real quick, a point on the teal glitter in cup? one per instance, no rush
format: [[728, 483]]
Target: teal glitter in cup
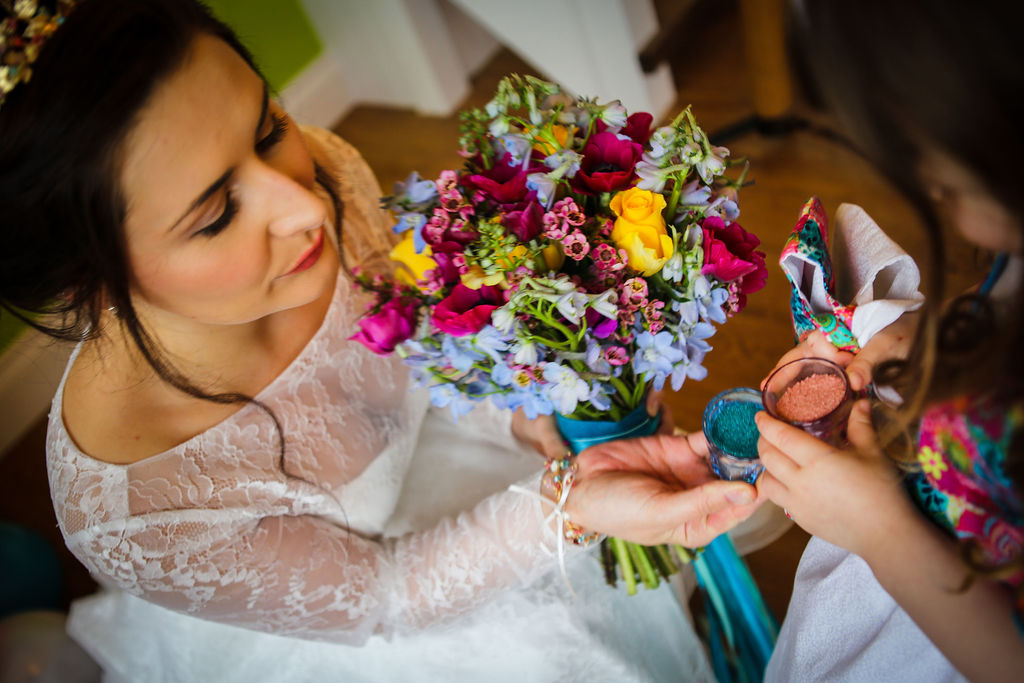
[[732, 434]]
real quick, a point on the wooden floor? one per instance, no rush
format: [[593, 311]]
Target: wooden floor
[[710, 75]]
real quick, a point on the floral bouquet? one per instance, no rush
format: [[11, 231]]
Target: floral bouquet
[[577, 259]]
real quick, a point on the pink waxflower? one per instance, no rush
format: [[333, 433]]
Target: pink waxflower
[[466, 311], [730, 254], [448, 181], [575, 245], [634, 292], [653, 315], [569, 211], [616, 355], [554, 227], [389, 327]]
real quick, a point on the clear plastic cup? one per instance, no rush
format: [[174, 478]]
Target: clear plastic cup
[[732, 434], [820, 406]]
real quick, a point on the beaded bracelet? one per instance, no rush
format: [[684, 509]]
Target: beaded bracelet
[[563, 476]]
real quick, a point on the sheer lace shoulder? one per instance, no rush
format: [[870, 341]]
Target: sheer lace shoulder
[[222, 528]]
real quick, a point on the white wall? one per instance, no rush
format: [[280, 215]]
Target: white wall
[[420, 54]]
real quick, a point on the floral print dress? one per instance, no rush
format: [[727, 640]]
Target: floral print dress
[[963, 483]]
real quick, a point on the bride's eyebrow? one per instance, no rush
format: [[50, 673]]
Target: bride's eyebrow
[[223, 179]]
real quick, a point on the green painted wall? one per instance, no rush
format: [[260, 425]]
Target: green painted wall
[[277, 32], [10, 327]]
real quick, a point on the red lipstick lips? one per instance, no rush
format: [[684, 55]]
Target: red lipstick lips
[[311, 256]]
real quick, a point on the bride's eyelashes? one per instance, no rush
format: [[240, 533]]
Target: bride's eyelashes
[[278, 129]]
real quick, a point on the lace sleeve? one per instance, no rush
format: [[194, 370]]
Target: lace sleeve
[[306, 577]]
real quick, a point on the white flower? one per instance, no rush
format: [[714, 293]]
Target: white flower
[[572, 305], [604, 303]]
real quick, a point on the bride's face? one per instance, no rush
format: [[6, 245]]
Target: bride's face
[[222, 225]]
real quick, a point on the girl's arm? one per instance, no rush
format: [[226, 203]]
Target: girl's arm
[[854, 499]]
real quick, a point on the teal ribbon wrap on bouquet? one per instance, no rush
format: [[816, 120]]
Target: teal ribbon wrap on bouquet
[[581, 434], [741, 629]]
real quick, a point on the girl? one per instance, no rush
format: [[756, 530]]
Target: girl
[[220, 455], [931, 92]]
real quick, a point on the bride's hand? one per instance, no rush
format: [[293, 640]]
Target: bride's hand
[[540, 434], [656, 489]]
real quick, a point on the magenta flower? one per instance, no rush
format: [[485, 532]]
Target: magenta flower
[[526, 221], [637, 128], [466, 311], [730, 254], [607, 165], [502, 183], [389, 327]]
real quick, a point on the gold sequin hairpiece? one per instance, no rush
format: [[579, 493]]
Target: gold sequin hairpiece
[[24, 26]]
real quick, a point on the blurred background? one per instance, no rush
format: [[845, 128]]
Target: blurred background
[[390, 75]]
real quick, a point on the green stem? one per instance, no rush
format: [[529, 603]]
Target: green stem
[[666, 559], [643, 564], [623, 390], [673, 202], [625, 564]]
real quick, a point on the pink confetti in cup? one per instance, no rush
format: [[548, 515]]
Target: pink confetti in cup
[[813, 394]]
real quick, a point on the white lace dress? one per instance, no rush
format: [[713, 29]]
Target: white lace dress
[[386, 546]]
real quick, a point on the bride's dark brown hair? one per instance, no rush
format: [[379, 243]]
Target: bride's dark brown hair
[[904, 78], [65, 257]]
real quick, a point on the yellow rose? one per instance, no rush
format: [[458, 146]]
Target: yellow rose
[[412, 266], [640, 229]]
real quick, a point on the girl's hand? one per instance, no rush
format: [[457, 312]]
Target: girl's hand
[[814, 345], [847, 497], [892, 342], [656, 489]]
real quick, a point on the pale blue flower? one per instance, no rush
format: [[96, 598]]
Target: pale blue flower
[[655, 356], [499, 126], [709, 301], [595, 358], [460, 352], [564, 163], [502, 374], [518, 146], [565, 388], [674, 268], [694, 194], [662, 142], [653, 176], [688, 367], [448, 394], [492, 342], [543, 184], [600, 396]]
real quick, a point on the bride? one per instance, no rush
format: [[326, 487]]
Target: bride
[[260, 498]]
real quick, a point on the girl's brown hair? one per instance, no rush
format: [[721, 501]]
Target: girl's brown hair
[[904, 78]]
